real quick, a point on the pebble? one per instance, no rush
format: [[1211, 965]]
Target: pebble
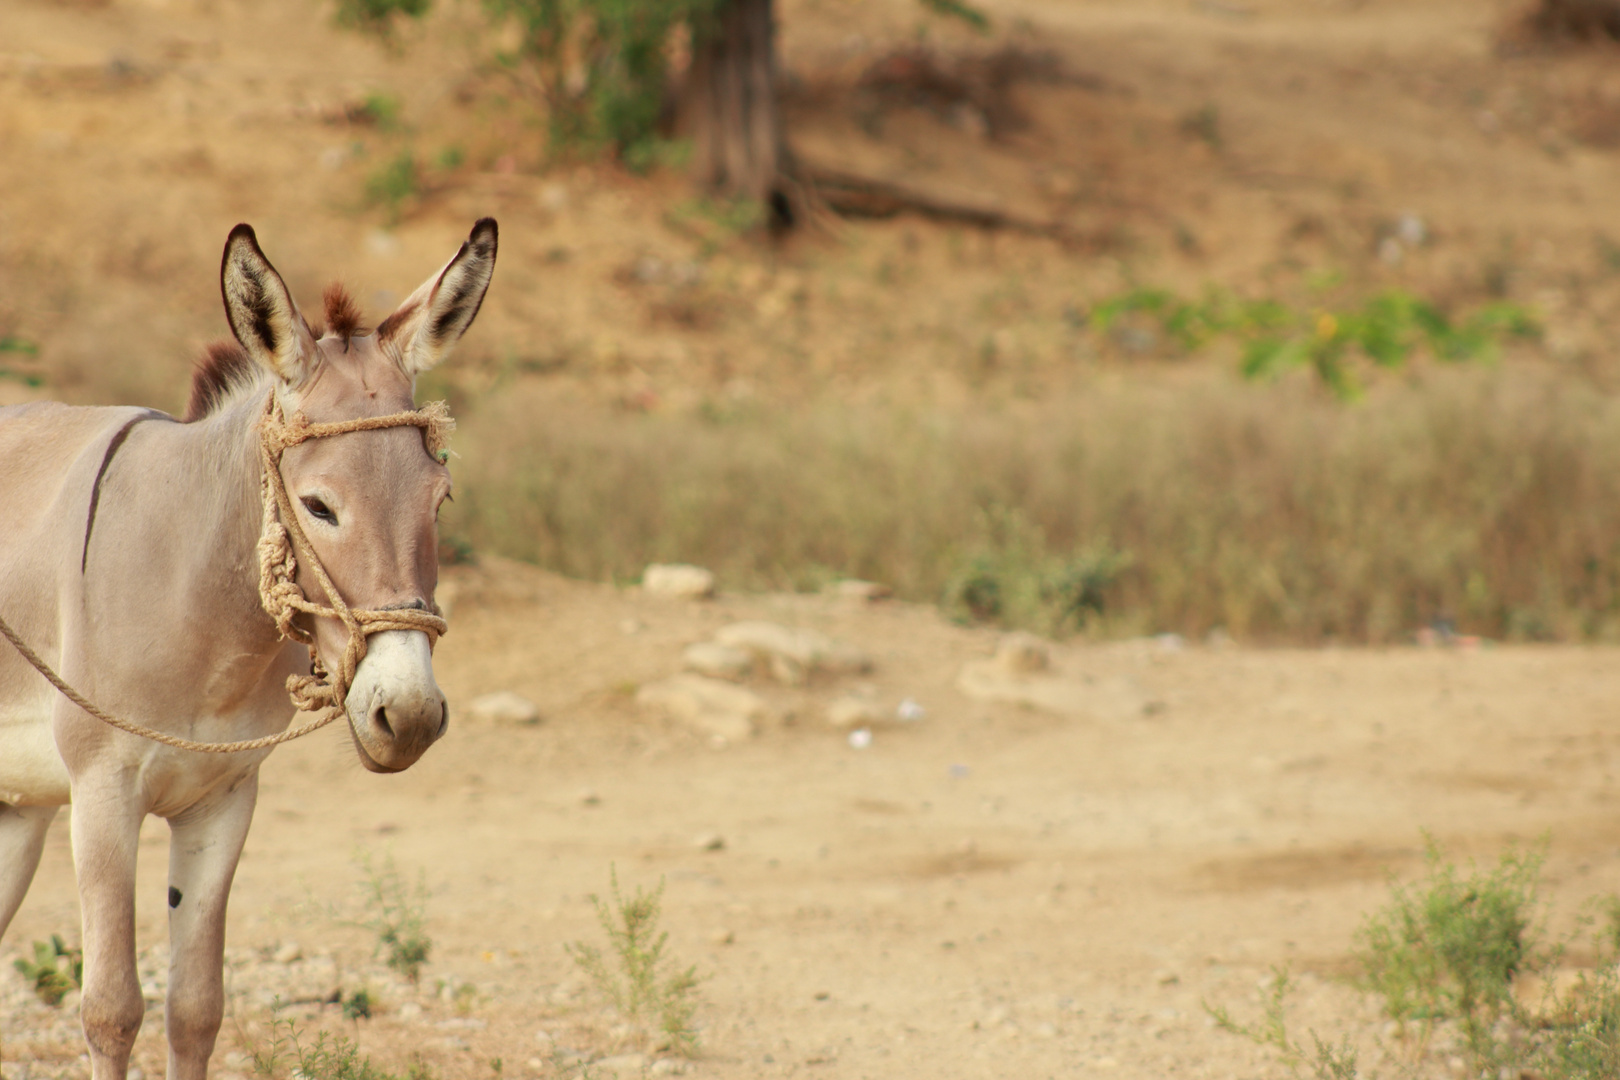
[[622, 1065], [667, 1067], [809, 649], [722, 937], [867, 591], [288, 953], [589, 797], [679, 581], [860, 738], [710, 706], [718, 661], [711, 841], [503, 707], [1165, 977], [848, 712]]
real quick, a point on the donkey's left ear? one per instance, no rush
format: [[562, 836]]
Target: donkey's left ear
[[433, 318]]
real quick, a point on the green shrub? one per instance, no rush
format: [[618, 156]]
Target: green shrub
[[638, 980], [54, 970]]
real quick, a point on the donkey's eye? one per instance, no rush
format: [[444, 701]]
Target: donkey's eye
[[319, 510]]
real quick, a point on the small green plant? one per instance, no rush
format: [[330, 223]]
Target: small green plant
[[1324, 1060], [397, 915], [637, 978], [395, 181], [358, 1005], [54, 971], [1011, 578], [378, 17], [289, 1054], [961, 11], [1386, 330], [1450, 945]]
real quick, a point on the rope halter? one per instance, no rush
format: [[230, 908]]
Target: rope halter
[[283, 542]]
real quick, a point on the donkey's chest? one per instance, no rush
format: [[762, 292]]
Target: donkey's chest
[[178, 784]]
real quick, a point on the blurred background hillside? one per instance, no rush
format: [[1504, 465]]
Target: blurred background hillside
[[1279, 319]]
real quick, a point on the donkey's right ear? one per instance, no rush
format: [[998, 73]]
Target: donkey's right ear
[[261, 311]]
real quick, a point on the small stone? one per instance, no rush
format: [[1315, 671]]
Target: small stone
[[860, 738], [866, 591], [718, 661], [848, 713], [710, 706], [287, 953], [503, 707], [909, 711], [622, 1065], [589, 797], [1022, 654], [1165, 977], [722, 937], [711, 841], [678, 580], [667, 1067], [810, 650]]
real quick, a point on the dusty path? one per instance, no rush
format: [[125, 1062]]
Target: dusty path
[[987, 892]]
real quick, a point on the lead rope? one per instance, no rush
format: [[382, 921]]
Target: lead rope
[[281, 542]]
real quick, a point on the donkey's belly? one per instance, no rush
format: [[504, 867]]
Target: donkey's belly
[[31, 771]]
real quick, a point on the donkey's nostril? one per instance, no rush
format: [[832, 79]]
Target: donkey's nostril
[[379, 720], [444, 719]]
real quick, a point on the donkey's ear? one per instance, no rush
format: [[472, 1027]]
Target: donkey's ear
[[433, 318], [261, 310]]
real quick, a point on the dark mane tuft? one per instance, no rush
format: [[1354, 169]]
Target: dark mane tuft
[[342, 316], [223, 367]]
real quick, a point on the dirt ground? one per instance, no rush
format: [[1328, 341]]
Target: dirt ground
[[988, 891]]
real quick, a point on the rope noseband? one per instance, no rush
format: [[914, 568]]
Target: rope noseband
[[281, 543]]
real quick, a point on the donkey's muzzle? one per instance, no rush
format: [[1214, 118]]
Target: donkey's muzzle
[[396, 710]]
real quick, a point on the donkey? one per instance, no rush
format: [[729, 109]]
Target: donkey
[[131, 561]]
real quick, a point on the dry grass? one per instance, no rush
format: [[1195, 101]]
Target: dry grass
[[1488, 498]]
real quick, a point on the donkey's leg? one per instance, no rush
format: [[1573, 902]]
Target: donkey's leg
[[202, 860], [106, 833], [22, 838]]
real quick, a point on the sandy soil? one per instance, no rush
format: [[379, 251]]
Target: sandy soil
[[989, 891], [986, 892]]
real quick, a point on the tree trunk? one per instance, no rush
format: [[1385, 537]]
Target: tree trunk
[[1583, 19], [728, 107]]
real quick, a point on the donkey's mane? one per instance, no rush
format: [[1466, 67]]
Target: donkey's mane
[[225, 368]]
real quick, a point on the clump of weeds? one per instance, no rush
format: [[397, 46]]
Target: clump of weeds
[[1446, 954], [290, 1054], [397, 914], [634, 974], [54, 970]]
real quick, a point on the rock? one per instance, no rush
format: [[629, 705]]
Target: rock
[[794, 652], [503, 707], [667, 1067], [722, 937], [1112, 698], [709, 706], [287, 953], [847, 713], [678, 580], [718, 661], [622, 1065], [860, 738], [589, 797], [709, 841], [867, 591], [1022, 654]]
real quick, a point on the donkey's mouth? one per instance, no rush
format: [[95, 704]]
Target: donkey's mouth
[[371, 763]]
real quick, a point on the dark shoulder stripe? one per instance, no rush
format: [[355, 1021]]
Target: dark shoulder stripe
[[95, 489]]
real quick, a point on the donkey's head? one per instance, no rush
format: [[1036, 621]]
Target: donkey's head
[[367, 501]]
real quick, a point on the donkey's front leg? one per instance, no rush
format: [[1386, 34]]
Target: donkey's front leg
[[203, 850], [106, 832]]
